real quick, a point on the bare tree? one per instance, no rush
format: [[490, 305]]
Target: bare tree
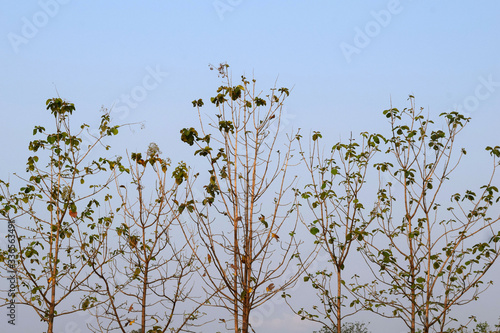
[[246, 221], [425, 259], [57, 233], [156, 291]]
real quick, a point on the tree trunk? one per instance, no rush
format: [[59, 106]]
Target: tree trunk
[[339, 302], [144, 296]]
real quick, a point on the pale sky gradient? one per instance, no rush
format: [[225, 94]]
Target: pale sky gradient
[[346, 61]]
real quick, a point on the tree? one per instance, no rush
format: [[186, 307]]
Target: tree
[[247, 232], [356, 327], [158, 268], [57, 233], [334, 196], [427, 259]]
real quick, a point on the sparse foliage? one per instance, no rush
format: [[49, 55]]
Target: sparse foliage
[[58, 233], [427, 258], [132, 257], [155, 268], [334, 196], [245, 219]]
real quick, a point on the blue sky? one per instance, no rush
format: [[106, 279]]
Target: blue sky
[[95, 52], [346, 62]]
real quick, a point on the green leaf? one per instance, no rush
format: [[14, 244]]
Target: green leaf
[[189, 135], [263, 221], [85, 304], [198, 103], [316, 136], [314, 230]]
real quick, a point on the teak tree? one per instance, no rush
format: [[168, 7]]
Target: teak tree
[[246, 220], [334, 196], [57, 233], [148, 281], [427, 259]]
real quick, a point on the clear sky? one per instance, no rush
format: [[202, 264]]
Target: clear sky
[[346, 61]]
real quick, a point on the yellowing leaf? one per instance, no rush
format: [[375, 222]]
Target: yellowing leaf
[[132, 241], [234, 268], [270, 287]]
